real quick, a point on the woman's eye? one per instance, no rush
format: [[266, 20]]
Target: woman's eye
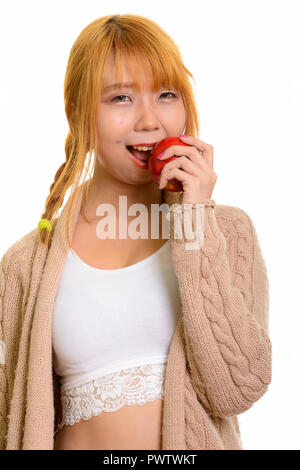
[[119, 96], [169, 93], [125, 96]]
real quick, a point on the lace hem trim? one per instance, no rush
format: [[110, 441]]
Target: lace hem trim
[[132, 386]]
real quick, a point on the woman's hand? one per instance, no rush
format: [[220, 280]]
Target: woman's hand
[[194, 168]]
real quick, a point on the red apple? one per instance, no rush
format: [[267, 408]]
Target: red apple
[[156, 166]]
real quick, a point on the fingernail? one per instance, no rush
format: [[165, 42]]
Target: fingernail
[[160, 155], [183, 135]]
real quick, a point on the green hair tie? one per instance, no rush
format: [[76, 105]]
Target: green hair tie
[[44, 223]]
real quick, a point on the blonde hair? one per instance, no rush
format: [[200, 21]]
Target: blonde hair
[[146, 46]]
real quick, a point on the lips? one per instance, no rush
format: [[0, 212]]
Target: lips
[[140, 163], [144, 144], [140, 155]]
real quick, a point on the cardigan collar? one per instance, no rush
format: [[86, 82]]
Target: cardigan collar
[[39, 431]]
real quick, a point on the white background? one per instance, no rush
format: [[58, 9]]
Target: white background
[[244, 56]]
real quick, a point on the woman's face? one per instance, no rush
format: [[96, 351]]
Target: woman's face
[[134, 118]]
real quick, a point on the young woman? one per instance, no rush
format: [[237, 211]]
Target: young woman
[[125, 342]]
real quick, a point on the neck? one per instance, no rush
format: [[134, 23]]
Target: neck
[[105, 189]]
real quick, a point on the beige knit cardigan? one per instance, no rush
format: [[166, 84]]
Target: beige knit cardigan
[[220, 356]]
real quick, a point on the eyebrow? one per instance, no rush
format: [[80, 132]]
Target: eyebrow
[[128, 85]]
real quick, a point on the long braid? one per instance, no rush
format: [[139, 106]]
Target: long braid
[[58, 190]]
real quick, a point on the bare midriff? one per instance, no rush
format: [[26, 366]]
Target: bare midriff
[[137, 427]]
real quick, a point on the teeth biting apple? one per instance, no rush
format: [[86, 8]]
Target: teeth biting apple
[[145, 148]]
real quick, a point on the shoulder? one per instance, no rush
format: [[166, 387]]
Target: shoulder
[[240, 233], [234, 221], [230, 212], [239, 230], [20, 251]]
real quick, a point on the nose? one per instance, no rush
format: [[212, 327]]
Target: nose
[[146, 117]]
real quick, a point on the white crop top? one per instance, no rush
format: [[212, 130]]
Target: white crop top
[[111, 333]]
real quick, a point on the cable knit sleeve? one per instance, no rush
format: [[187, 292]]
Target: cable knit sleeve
[[3, 380], [225, 298]]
